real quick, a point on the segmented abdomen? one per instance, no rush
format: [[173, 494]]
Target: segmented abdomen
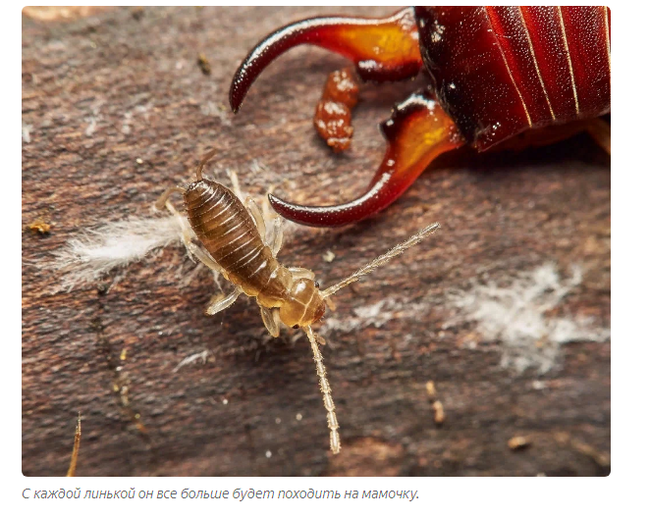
[[229, 235], [501, 70]]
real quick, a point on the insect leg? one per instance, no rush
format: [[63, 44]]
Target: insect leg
[[271, 321], [418, 131], [326, 390], [383, 49], [204, 257], [163, 201], [276, 236], [256, 214], [275, 240], [234, 180], [221, 302], [187, 234]]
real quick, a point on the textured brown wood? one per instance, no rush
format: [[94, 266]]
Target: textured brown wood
[[117, 108]]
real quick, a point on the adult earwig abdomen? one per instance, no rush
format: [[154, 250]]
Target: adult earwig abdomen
[[232, 239], [526, 67], [494, 72]]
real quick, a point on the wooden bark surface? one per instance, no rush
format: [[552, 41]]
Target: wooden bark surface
[[116, 108]]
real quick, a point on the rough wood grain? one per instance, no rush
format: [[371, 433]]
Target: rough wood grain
[[116, 108]]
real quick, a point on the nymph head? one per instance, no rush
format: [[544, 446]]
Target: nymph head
[[304, 304]]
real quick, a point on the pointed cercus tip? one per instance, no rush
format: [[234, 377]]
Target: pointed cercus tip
[[296, 213], [235, 100], [328, 216]]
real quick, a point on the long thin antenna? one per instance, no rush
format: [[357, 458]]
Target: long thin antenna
[[332, 423], [204, 160], [382, 259]]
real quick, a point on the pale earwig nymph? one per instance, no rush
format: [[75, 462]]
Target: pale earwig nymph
[[232, 238]]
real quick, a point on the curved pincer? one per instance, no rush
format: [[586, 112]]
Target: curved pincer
[[418, 131], [363, 40]]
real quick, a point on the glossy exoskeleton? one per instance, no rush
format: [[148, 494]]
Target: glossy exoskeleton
[[494, 73]]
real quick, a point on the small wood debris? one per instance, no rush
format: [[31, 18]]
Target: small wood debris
[[40, 226], [436, 404], [602, 459], [75, 449], [329, 256], [137, 12], [438, 412], [519, 442], [204, 64], [431, 389]]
